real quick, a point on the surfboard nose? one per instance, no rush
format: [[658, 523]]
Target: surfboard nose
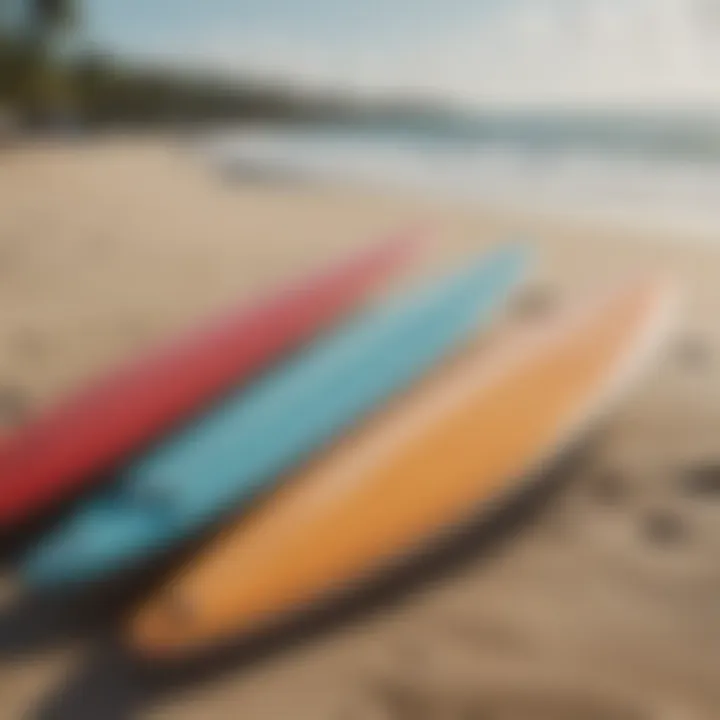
[[92, 543], [154, 628], [174, 621]]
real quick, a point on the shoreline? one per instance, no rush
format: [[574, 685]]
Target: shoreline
[[107, 247]]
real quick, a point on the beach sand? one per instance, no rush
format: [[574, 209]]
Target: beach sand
[[602, 604]]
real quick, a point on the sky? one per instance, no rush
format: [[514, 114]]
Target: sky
[[478, 52]]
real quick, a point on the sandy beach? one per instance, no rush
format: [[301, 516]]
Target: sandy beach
[[604, 602]]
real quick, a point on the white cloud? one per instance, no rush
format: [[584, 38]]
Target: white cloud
[[515, 52]]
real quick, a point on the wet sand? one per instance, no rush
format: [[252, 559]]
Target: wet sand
[[601, 603]]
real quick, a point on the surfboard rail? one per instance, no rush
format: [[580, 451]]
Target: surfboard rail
[[69, 445]]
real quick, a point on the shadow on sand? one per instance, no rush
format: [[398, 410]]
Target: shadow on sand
[[113, 685], [35, 623]]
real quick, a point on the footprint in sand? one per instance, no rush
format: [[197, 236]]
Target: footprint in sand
[[609, 487], [665, 527], [659, 528], [701, 481], [693, 353]]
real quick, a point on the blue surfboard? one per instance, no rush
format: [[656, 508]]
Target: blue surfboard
[[226, 457]]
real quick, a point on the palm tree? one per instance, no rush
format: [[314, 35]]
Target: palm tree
[[49, 18], [49, 22]]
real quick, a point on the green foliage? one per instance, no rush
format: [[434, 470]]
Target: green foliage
[[55, 13], [100, 91], [32, 78], [50, 17]]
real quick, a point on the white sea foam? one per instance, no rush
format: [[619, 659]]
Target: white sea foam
[[669, 192]]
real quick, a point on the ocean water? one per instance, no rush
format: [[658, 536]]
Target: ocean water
[[657, 173]]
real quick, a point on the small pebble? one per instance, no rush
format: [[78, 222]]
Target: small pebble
[[702, 480]]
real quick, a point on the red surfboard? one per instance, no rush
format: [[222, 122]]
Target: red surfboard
[[65, 449]]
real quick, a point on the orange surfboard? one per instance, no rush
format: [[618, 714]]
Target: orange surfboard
[[475, 431]]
